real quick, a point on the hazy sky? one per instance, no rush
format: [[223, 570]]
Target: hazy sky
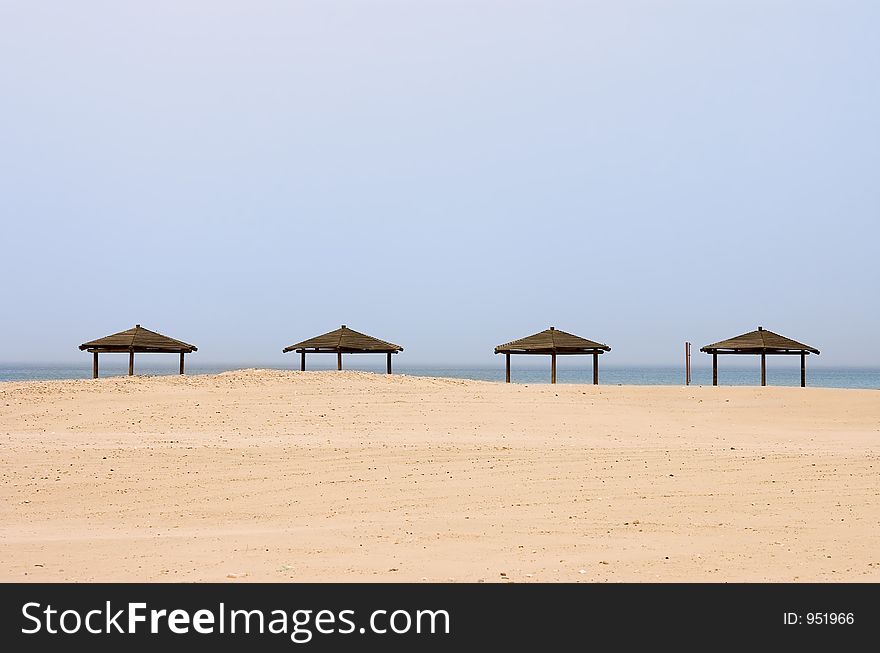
[[445, 175]]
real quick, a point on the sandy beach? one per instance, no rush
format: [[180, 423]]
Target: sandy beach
[[347, 476]]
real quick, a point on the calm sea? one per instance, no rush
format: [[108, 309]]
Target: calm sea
[[782, 373]]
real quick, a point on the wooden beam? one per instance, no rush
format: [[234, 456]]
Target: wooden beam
[[338, 360], [344, 350], [131, 362], [595, 368], [553, 368], [803, 370], [181, 361], [137, 350], [585, 352], [302, 364], [507, 367], [769, 352], [95, 366], [389, 362], [763, 369], [714, 369]]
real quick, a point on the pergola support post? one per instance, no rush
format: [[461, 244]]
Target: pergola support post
[[803, 369], [338, 360], [181, 362], [553, 368], [131, 362], [714, 368], [302, 362], [595, 368], [95, 366], [763, 369], [507, 367], [389, 362]]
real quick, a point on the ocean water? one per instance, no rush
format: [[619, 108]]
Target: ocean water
[[782, 374]]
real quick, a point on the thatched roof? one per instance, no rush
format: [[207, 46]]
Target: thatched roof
[[347, 341], [760, 341], [138, 339], [552, 341]]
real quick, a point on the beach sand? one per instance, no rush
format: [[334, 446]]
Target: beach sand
[[348, 476]]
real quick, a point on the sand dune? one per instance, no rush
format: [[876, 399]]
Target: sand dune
[[347, 476]]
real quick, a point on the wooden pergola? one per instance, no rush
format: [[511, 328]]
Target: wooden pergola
[[136, 341], [343, 341], [553, 342], [761, 342]]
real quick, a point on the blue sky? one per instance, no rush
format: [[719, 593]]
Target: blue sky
[[446, 175]]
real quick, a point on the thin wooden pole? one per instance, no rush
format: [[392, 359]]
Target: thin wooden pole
[[595, 368], [763, 369], [302, 363], [553, 368], [131, 362], [338, 360], [181, 362], [687, 363], [389, 362], [714, 369], [803, 369], [507, 367], [95, 366]]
